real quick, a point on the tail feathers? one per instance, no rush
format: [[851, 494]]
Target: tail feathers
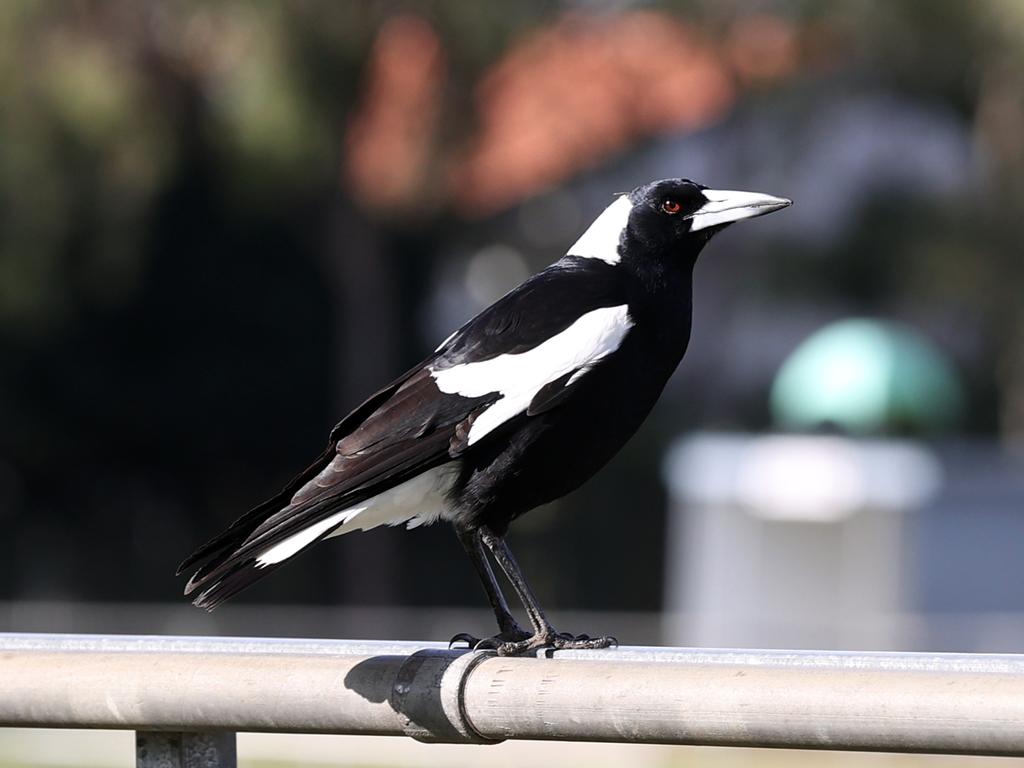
[[230, 567], [219, 557], [235, 562], [229, 583], [228, 540], [237, 565], [226, 564], [244, 526], [218, 550]]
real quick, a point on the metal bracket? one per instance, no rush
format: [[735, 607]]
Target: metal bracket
[[429, 695]]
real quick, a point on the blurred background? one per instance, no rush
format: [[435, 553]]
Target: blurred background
[[223, 224]]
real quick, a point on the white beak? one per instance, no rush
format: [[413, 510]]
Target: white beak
[[725, 206]]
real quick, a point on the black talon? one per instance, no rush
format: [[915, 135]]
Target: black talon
[[550, 640], [464, 637], [513, 634]]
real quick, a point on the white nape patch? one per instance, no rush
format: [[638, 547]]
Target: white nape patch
[[601, 240], [725, 206], [518, 377], [419, 501]]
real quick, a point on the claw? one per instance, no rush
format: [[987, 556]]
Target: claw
[[554, 641], [514, 634], [514, 641], [464, 637], [587, 642]]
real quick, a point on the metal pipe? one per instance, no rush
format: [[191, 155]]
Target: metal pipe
[[948, 703]]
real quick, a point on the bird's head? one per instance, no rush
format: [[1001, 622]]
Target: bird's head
[[669, 216], [680, 211]]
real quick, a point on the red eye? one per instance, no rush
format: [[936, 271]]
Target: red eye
[[671, 206]]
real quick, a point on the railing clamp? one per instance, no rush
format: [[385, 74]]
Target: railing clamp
[[429, 694]]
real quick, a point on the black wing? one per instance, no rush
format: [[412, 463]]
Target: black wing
[[406, 428], [543, 306]]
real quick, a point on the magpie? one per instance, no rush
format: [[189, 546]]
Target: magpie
[[516, 408]]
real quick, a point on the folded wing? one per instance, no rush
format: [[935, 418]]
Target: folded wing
[[519, 356]]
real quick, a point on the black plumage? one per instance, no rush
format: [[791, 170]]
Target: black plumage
[[520, 406]]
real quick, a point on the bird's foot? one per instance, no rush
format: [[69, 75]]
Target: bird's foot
[[514, 634], [557, 641]]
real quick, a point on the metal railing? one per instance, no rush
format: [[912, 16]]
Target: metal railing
[[187, 696]]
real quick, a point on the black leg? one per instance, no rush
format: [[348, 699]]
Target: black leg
[[509, 629], [504, 557], [544, 635]]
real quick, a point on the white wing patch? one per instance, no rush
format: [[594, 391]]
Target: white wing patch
[[419, 501], [518, 377], [601, 240]]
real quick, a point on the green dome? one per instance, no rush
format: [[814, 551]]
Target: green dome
[[866, 376]]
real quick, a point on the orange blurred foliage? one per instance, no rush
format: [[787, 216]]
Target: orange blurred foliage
[[561, 99], [390, 139]]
